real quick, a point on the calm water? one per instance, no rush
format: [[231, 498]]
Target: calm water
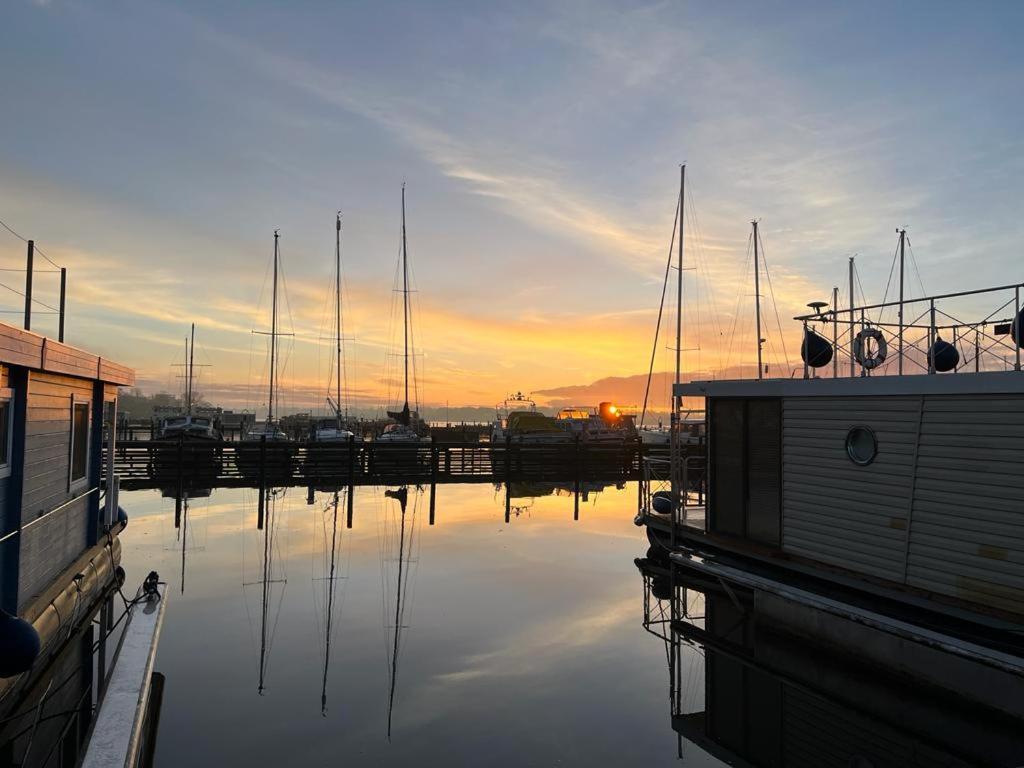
[[519, 643], [543, 640]]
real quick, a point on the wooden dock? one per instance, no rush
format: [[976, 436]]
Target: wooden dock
[[166, 464]]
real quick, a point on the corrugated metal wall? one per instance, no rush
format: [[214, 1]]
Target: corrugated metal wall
[[967, 529], [963, 533], [834, 510]]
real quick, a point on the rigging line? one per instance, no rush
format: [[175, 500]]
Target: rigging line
[[913, 260], [415, 312], [863, 295], [702, 263], [696, 282], [888, 283], [661, 309], [284, 289], [321, 335], [704, 278], [739, 299], [775, 305]]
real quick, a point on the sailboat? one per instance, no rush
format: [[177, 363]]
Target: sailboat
[[270, 429], [189, 451], [401, 430], [250, 456], [186, 424], [332, 430]]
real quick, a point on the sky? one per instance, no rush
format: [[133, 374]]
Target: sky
[[153, 148]]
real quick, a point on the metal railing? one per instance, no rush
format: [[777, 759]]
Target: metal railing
[[656, 478], [982, 345]]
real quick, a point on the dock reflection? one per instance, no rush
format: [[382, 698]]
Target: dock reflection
[[753, 689]]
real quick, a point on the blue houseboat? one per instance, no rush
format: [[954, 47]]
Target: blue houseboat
[[59, 549]]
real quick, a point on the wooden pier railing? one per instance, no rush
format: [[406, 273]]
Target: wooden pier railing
[[166, 464]]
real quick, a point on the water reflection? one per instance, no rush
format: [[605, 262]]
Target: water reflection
[[407, 540], [749, 686], [272, 577], [423, 643], [474, 635], [183, 497], [329, 583]]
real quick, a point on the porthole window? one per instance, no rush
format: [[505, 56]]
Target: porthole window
[[861, 445]]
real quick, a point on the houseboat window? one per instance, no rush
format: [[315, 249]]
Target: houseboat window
[[861, 445], [79, 440], [5, 434]]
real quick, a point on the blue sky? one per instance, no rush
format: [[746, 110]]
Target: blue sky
[[154, 146]]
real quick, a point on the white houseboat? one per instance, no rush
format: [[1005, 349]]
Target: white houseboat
[[893, 468]]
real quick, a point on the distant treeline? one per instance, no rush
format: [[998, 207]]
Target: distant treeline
[[135, 404]]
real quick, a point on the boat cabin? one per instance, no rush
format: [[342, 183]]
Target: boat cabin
[[910, 481], [190, 427]]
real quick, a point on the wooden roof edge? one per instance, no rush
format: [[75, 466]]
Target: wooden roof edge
[[30, 350]]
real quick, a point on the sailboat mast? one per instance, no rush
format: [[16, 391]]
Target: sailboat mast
[[185, 393], [191, 367], [679, 282], [674, 426], [757, 301], [273, 339], [903, 240], [337, 317], [405, 300]]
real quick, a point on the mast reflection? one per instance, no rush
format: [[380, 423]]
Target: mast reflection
[[183, 495], [330, 580], [407, 540], [270, 504]]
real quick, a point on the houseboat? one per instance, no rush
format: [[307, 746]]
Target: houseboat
[[60, 553], [887, 477]]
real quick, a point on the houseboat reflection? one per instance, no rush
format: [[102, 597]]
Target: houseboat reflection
[[751, 685]]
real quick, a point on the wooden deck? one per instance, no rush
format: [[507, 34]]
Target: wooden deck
[[166, 464]]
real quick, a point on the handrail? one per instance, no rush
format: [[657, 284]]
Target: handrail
[[835, 311], [43, 516]]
